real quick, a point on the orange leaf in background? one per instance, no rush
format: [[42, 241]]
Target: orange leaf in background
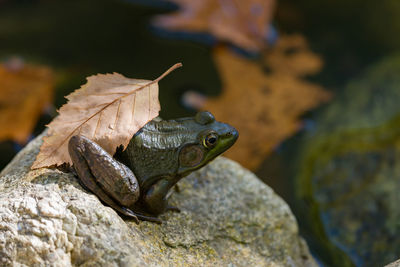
[[291, 57], [265, 107], [24, 93], [109, 109], [244, 23]]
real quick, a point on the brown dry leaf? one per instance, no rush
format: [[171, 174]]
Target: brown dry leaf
[[25, 91], [109, 109], [244, 23], [265, 108], [291, 56]]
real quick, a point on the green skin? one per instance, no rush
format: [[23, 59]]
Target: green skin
[[137, 181]]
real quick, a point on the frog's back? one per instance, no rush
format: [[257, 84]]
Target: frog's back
[[166, 134], [154, 149]]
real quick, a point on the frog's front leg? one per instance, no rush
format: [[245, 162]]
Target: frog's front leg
[[156, 198], [114, 183]]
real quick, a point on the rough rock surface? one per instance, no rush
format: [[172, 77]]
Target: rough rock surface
[[394, 264], [228, 218]]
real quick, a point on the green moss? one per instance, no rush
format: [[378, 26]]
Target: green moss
[[347, 170]]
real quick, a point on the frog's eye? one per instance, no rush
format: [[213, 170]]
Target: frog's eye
[[210, 140]]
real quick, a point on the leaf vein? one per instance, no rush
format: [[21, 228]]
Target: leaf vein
[[117, 115], [97, 124]]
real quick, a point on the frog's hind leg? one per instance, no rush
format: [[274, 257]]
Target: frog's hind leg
[[76, 151]]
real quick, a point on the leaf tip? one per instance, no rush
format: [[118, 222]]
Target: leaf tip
[[35, 165]]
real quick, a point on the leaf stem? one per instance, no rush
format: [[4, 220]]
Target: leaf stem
[[171, 69]]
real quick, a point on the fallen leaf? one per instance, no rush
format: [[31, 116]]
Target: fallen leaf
[[264, 107], [25, 91], [244, 23], [291, 56], [109, 109]]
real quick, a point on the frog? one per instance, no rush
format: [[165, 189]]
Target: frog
[[137, 181]]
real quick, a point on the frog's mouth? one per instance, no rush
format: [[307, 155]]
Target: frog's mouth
[[225, 141]]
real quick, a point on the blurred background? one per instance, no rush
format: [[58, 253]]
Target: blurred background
[[312, 86]]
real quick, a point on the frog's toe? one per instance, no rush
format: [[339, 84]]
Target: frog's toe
[[177, 188], [149, 219], [128, 213], [172, 208], [141, 216]]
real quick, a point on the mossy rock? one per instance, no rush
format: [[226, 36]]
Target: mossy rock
[[348, 168]]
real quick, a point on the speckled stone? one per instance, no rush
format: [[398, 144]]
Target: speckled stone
[[394, 264], [228, 218]]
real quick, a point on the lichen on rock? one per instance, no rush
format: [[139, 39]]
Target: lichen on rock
[[228, 218]]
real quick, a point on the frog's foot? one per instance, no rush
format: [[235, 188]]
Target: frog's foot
[[172, 208], [177, 188], [89, 182], [144, 217]]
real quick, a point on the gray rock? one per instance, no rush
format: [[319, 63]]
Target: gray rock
[[394, 264], [228, 218]]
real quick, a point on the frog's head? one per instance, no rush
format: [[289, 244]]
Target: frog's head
[[209, 139], [175, 148]]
